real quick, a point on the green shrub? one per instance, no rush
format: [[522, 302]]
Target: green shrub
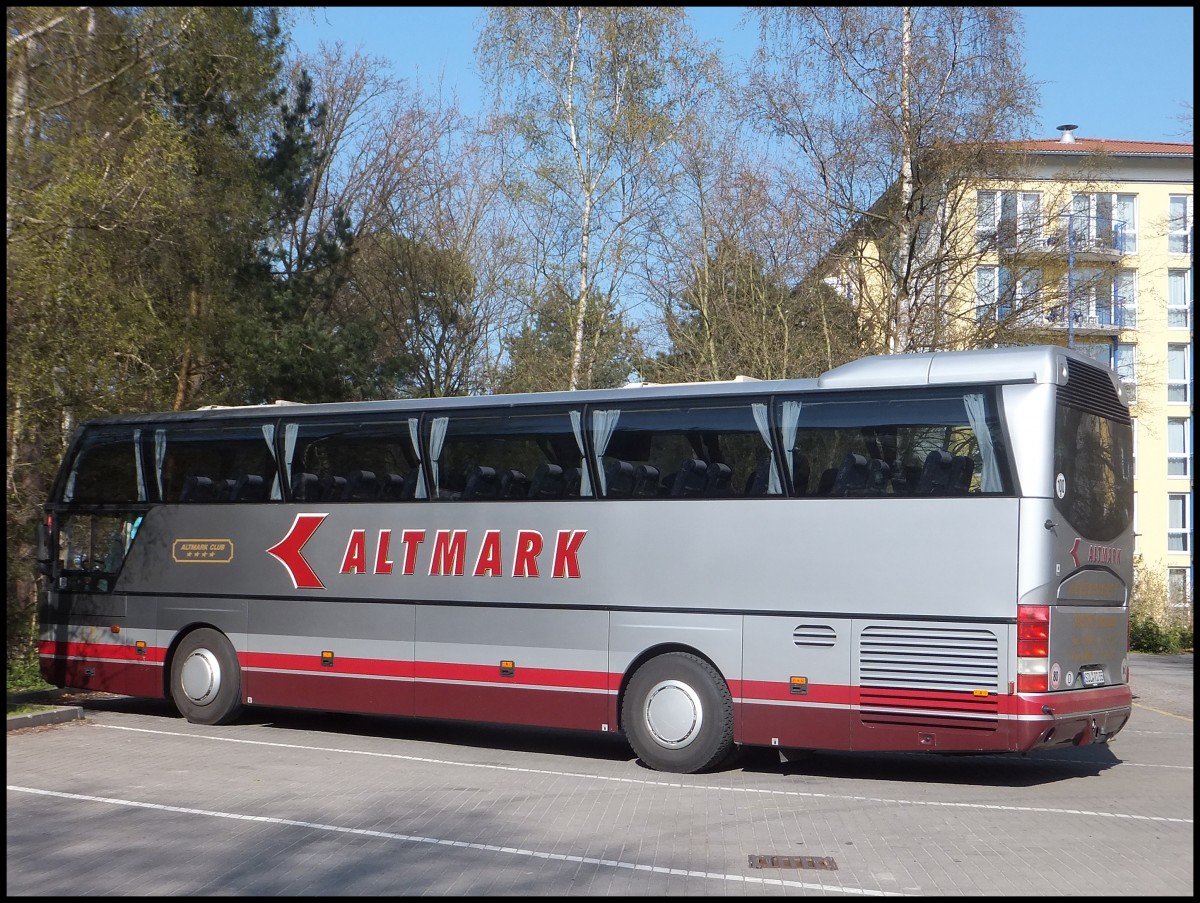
[[1147, 635], [23, 672], [1153, 625]]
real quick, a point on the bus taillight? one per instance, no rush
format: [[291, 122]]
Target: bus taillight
[[1033, 648]]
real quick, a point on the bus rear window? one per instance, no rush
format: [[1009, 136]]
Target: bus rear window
[[1093, 466]]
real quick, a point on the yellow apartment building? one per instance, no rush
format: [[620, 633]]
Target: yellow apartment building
[[1083, 242], [1093, 248]]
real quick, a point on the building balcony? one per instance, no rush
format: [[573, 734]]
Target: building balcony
[[1084, 320], [1086, 239]]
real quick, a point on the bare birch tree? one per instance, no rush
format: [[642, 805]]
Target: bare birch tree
[[590, 97], [891, 110]]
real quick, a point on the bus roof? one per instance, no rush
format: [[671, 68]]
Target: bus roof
[[1020, 364]]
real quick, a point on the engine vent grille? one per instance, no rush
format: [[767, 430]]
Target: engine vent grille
[[932, 658], [932, 677], [820, 635]]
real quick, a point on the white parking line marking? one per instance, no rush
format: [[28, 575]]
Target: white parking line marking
[[484, 847], [649, 783]]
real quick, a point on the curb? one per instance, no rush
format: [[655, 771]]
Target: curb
[[56, 715]]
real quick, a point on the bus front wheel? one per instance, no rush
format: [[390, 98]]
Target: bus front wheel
[[206, 682], [678, 714]]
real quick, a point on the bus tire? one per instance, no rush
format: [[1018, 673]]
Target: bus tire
[[206, 681], [678, 714]]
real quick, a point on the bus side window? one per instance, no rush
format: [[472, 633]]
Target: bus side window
[[92, 549], [196, 489], [547, 483], [361, 486], [801, 471], [962, 468], [202, 463], [708, 449], [935, 475], [481, 483], [851, 476], [485, 456], [717, 480], [513, 485], [394, 487], [690, 479], [306, 487], [758, 480], [249, 487], [618, 477]]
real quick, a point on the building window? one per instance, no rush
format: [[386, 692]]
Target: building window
[[1125, 363], [996, 297], [1008, 219], [1179, 373], [1104, 298], [1104, 221], [1137, 534], [1179, 224], [1179, 587], [1179, 520], [1179, 299], [1126, 223], [987, 289], [1179, 449]]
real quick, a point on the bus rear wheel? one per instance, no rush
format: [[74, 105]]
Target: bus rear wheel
[[206, 682], [678, 714]]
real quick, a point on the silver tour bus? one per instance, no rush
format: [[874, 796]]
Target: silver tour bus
[[911, 552]]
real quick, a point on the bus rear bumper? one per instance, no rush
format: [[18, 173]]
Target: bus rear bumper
[[1080, 718]]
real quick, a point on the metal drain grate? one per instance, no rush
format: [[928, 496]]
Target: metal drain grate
[[792, 862]]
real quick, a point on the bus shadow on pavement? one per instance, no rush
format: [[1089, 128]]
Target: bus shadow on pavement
[[983, 769], [467, 735], [987, 769]]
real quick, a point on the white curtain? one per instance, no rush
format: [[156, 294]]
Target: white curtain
[[414, 436], [268, 430], [790, 417], [603, 424], [290, 432], [137, 463], [160, 458], [977, 414], [585, 485], [437, 436], [764, 430]]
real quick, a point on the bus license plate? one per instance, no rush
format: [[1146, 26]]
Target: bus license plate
[[1094, 678]]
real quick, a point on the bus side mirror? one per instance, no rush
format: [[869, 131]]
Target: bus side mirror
[[44, 555]]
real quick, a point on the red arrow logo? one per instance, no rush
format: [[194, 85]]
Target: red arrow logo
[[1074, 550], [288, 551]]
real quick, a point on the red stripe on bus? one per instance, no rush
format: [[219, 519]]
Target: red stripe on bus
[[66, 649], [781, 691], [542, 677], [279, 661]]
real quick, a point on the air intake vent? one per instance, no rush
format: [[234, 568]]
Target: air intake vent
[[933, 658], [934, 678], [820, 635], [1090, 389]]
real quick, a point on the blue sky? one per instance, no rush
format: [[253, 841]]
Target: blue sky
[[1116, 72]]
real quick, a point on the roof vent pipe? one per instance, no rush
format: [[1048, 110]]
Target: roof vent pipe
[[1068, 133]]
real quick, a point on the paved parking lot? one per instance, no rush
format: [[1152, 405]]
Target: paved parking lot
[[134, 800]]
